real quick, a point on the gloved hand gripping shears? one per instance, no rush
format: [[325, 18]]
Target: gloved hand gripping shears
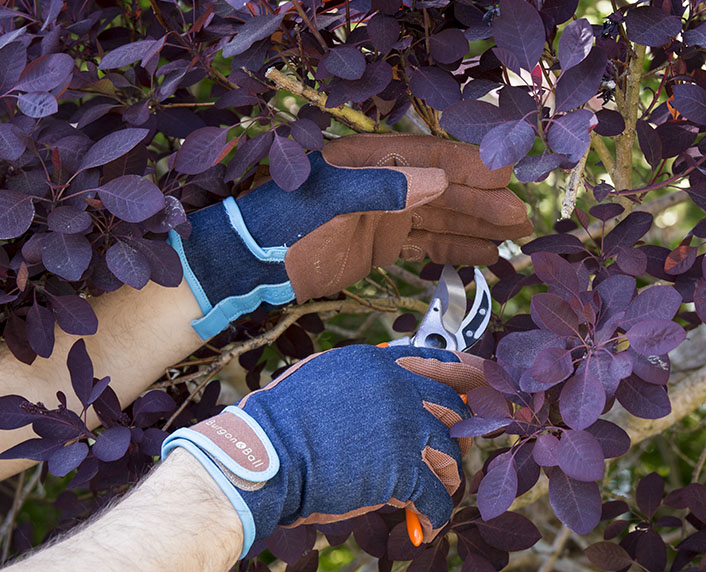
[[446, 325]]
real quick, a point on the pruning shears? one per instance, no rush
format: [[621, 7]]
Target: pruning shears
[[447, 325]]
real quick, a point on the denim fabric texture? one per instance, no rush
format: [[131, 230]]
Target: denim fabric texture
[[222, 268], [276, 217], [349, 428], [220, 260]]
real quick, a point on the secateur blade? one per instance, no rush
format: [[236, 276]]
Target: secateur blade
[[446, 324]]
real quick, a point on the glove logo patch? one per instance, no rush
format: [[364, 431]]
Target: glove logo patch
[[237, 439]]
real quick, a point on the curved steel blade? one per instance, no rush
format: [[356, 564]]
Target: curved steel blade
[[476, 321], [453, 307]]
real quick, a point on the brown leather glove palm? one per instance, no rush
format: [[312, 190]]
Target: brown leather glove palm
[[454, 207]]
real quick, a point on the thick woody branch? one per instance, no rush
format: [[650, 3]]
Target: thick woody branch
[[354, 119]]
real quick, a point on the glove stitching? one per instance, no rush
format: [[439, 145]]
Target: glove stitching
[[392, 155]]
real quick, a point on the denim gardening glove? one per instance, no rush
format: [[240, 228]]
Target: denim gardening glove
[[339, 434], [368, 200]]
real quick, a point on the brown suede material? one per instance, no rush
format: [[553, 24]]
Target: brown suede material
[[455, 206], [447, 416], [461, 377], [444, 467], [461, 161]]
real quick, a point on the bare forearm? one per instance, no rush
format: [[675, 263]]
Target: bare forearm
[[140, 334], [177, 519]]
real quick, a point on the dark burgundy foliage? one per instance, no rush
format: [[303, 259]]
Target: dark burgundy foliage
[[104, 149]]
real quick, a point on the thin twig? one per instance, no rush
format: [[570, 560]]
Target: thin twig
[[22, 491], [557, 548], [572, 187], [699, 466]]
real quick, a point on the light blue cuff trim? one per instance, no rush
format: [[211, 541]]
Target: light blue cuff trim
[[175, 241], [229, 309], [206, 451], [267, 253]]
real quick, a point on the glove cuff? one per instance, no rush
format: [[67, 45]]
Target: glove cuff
[[237, 453], [229, 273]]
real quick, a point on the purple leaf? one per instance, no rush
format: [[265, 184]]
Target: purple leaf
[[254, 30], [436, 87], [405, 323], [37, 104], [552, 365], [600, 366], [376, 78], [112, 444], [152, 441], [35, 449], [510, 531], [581, 402], [383, 32], [535, 168], [676, 137], [164, 263], [643, 399], [519, 349], [497, 377], [608, 556], [81, 371], [46, 72], [150, 407], [128, 54], [690, 101], [477, 426], [289, 165], [16, 213], [544, 451], [69, 220], [580, 456], [168, 218], [131, 197], [11, 146], [632, 261], [614, 440], [650, 26], [470, 120], [345, 62], [650, 551], [581, 82], [557, 244], [506, 144], [308, 134], [652, 369], [201, 150], [696, 36], [66, 255], [111, 147], [610, 123], [498, 488], [12, 413], [661, 302], [575, 43], [448, 46], [13, 57], [128, 265], [508, 59], [74, 315], [98, 389], [520, 30], [650, 143], [477, 88], [248, 153], [577, 504], [616, 292], [66, 459], [40, 330], [15, 334], [649, 494], [570, 133], [631, 229], [487, 402], [553, 313], [606, 211], [655, 336], [371, 534], [93, 113]]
